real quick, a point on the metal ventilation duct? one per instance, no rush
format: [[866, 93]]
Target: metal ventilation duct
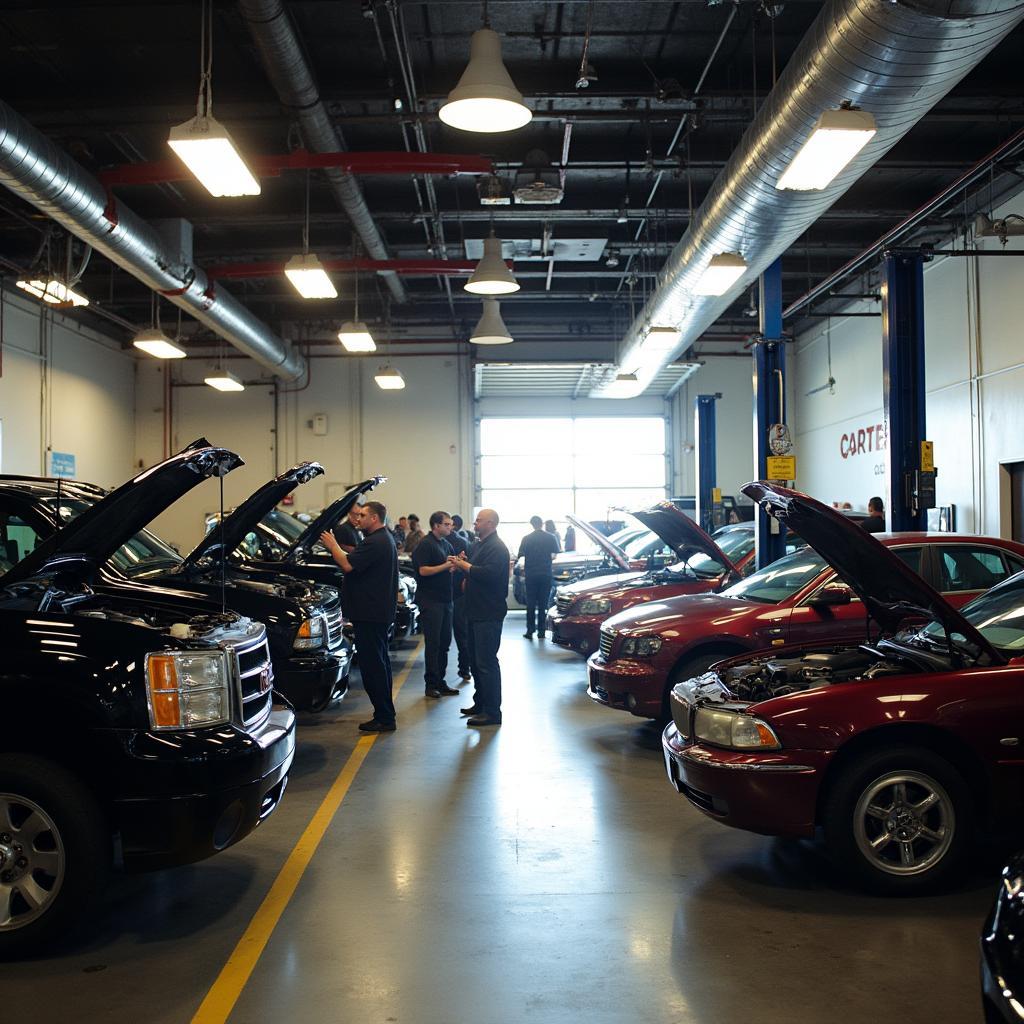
[[292, 78], [893, 58], [44, 175]]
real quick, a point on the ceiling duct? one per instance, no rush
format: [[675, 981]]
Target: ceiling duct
[[39, 171], [292, 78], [895, 59]]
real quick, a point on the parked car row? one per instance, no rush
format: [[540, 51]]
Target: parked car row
[[148, 697]]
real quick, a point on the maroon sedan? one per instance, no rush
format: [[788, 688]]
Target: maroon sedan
[[900, 747], [703, 564]]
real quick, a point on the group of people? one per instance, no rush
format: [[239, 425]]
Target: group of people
[[463, 587], [407, 532]]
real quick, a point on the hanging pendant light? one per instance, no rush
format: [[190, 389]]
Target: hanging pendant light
[[388, 378], [491, 329], [354, 334], [486, 99], [155, 343], [224, 380], [492, 276]]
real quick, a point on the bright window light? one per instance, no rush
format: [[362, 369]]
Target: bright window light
[[53, 291], [838, 136], [724, 270], [356, 337], [155, 343], [224, 380], [308, 276], [389, 379], [208, 151]]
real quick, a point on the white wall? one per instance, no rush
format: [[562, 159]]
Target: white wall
[[64, 387]]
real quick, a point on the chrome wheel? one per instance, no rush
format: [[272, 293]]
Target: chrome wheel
[[32, 861], [904, 823]]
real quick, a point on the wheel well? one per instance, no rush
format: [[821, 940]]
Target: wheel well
[[724, 648], [910, 734]]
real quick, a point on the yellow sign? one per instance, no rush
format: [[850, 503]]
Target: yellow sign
[[927, 457], [716, 495], [781, 467]]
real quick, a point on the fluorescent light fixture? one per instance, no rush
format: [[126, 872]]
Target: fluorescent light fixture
[[838, 136], [208, 151], [659, 341], [491, 329], [224, 380], [156, 343], [724, 270], [356, 337], [55, 292], [307, 273], [492, 276], [389, 379], [625, 385], [486, 99]]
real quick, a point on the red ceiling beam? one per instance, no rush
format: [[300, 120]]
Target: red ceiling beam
[[272, 268]]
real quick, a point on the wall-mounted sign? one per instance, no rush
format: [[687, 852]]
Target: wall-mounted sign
[[780, 441], [781, 467], [62, 464], [927, 457], [863, 440]]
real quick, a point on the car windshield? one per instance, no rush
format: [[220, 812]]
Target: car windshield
[[636, 546], [735, 545], [997, 615], [286, 529], [781, 580]]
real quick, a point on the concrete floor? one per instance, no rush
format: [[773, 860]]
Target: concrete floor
[[543, 872]]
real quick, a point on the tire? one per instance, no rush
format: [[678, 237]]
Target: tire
[[695, 666], [899, 821], [56, 850]]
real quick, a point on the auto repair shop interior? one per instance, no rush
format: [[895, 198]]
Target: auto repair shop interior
[[730, 292]]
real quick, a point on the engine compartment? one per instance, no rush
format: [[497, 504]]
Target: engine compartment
[[762, 678]]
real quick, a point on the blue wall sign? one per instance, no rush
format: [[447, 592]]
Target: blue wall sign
[[62, 464]]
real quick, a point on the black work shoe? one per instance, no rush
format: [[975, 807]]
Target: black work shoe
[[374, 726], [465, 677], [527, 636], [447, 691], [472, 710], [433, 692], [541, 636], [483, 720]]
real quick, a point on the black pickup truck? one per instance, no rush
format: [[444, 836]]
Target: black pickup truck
[[139, 725]]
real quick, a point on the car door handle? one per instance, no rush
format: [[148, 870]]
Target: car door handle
[[777, 631]]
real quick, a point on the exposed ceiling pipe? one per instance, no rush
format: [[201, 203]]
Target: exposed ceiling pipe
[[35, 168], [894, 58], [292, 78]]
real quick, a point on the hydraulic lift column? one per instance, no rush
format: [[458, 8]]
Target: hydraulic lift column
[[910, 472], [769, 396], [706, 455]]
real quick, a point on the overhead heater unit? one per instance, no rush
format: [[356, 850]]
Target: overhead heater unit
[[538, 183], [494, 191]]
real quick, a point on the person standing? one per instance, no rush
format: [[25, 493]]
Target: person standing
[[460, 625], [414, 536], [570, 538], [875, 522], [486, 565], [430, 562], [371, 589], [537, 549], [399, 530], [348, 535], [549, 527]]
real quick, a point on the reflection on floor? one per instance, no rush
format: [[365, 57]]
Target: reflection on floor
[[541, 872]]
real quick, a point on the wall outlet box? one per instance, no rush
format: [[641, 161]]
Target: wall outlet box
[[320, 424]]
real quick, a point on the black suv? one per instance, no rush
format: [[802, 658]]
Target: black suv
[[139, 724]]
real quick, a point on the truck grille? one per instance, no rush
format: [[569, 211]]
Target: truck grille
[[563, 602], [255, 678], [607, 643], [331, 606]]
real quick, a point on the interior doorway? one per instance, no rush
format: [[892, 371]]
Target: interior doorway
[[1015, 492]]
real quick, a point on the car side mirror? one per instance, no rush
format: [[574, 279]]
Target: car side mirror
[[831, 595]]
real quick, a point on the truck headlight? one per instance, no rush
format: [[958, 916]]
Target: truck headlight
[[598, 606], [640, 646], [734, 730], [188, 689], [312, 633]]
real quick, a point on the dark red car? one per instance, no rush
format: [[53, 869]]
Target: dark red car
[[901, 747], [701, 564]]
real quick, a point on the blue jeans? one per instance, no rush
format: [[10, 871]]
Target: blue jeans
[[484, 641], [436, 624]]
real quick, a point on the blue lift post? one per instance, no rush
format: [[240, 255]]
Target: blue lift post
[[910, 487], [769, 396], [706, 452]]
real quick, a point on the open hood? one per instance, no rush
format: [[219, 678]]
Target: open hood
[[890, 589], [613, 551], [682, 534], [332, 515], [231, 530], [91, 538]]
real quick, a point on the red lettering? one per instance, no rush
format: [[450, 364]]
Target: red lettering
[[843, 447], [860, 441], [871, 431]]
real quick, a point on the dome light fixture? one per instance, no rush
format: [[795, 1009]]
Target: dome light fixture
[[388, 378], [724, 270], [486, 99], [491, 329], [155, 343], [492, 276]]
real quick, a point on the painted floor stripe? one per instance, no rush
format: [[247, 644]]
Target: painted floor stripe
[[221, 999]]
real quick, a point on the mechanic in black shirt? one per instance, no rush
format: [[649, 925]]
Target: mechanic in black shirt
[[537, 549], [486, 589], [371, 594], [430, 562], [875, 522], [348, 534]]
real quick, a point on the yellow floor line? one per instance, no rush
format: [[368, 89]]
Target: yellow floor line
[[221, 999]]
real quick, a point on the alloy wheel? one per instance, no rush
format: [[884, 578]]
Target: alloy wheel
[[33, 861]]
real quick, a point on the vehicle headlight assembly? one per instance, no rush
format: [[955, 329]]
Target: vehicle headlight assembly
[[641, 646], [188, 689], [734, 730], [312, 633], [596, 606]]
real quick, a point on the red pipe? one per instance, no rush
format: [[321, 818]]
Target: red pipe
[[271, 268]]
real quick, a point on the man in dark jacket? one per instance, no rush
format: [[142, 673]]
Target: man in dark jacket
[[486, 565], [875, 522], [460, 626], [371, 596], [537, 549], [430, 561], [348, 535]]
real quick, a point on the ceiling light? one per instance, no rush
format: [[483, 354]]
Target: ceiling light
[[155, 343], [625, 385], [224, 380], [389, 379], [724, 270], [491, 329], [55, 292], [493, 191], [207, 150], [356, 337], [659, 341], [838, 136], [612, 259], [492, 276], [307, 273], [623, 216], [486, 99]]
